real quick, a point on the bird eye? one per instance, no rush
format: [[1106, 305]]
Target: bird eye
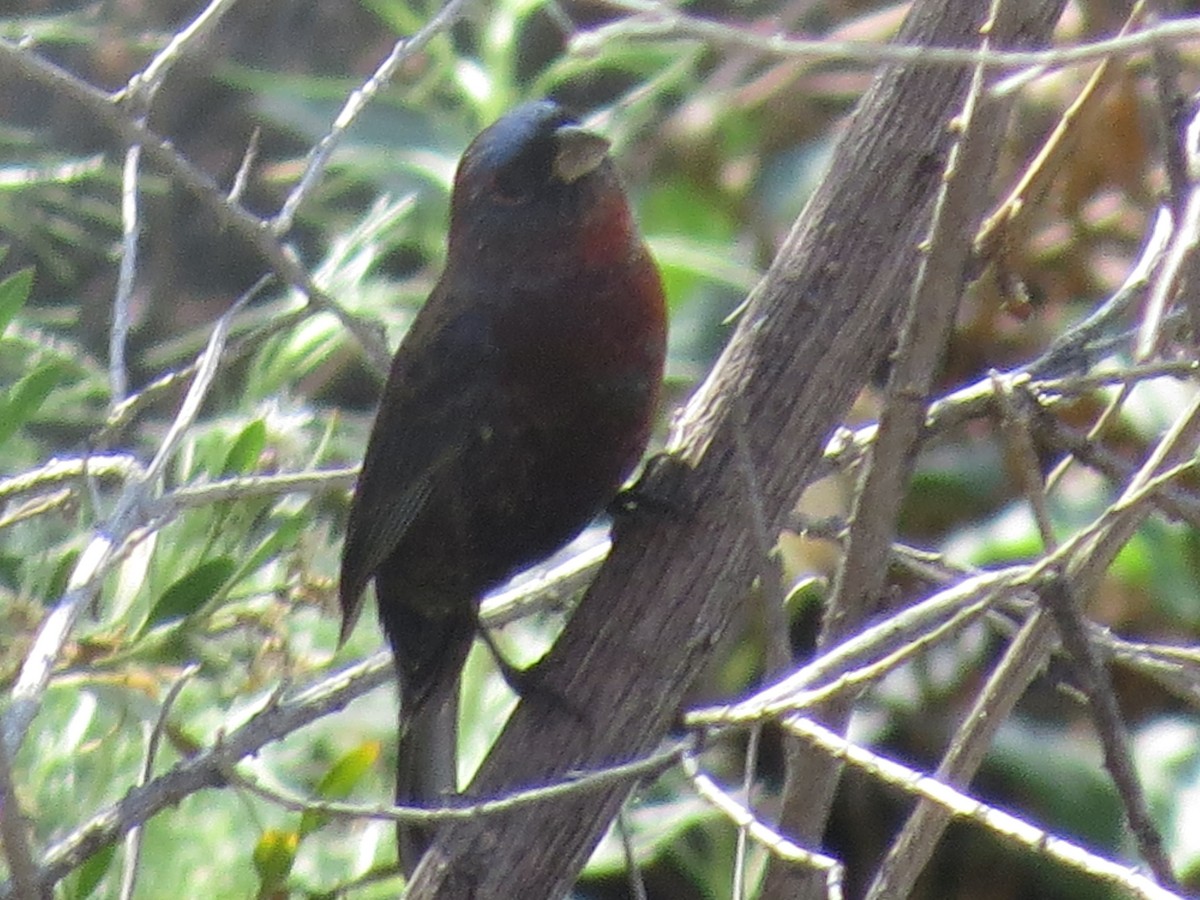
[[535, 151], [508, 191], [525, 174]]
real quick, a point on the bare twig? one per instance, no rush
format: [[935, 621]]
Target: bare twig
[[954, 803], [928, 323], [1182, 264], [637, 884], [281, 258], [1070, 349], [656, 21], [241, 178], [1015, 428], [133, 840], [1172, 114], [243, 487], [652, 765], [1057, 595], [868, 655], [58, 472], [206, 769], [770, 579], [129, 515], [1035, 181], [138, 96], [547, 588], [767, 837], [1083, 558], [21, 866], [741, 861], [318, 158], [1114, 737], [118, 377], [914, 845], [146, 83]]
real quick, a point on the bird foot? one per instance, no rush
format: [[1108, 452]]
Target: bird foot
[[530, 684], [656, 491]]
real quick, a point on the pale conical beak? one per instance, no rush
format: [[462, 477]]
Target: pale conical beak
[[578, 152]]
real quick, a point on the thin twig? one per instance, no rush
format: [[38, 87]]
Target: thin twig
[[130, 514], [637, 884], [318, 157], [133, 840], [1083, 557], [1171, 107], [652, 765], [955, 803], [868, 655], [206, 769], [1114, 737], [741, 862], [58, 472], [182, 43], [1056, 593], [1015, 428], [241, 178], [770, 579], [118, 376], [280, 258], [1056, 150], [246, 486], [137, 97], [21, 866], [1182, 263], [767, 837], [656, 21]]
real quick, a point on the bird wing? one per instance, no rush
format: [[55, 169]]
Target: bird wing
[[427, 414]]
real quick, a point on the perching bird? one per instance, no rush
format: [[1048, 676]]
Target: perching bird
[[519, 401]]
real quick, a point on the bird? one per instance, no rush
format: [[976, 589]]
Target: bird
[[519, 401]]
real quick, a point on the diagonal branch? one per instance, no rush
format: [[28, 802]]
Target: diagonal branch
[[822, 319]]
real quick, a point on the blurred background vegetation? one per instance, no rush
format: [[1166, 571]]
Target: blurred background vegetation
[[720, 148]]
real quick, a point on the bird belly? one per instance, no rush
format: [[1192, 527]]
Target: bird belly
[[522, 491]]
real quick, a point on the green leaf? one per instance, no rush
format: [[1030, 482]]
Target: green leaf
[[25, 397], [191, 591], [243, 456], [274, 855], [61, 574], [14, 291], [701, 259], [92, 872], [340, 780], [290, 356]]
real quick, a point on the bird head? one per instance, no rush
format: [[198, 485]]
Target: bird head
[[530, 181]]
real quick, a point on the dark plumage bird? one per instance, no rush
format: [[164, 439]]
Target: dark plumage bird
[[521, 398]]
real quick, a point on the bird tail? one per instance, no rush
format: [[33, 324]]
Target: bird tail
[[430, 653], [426, 773]]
